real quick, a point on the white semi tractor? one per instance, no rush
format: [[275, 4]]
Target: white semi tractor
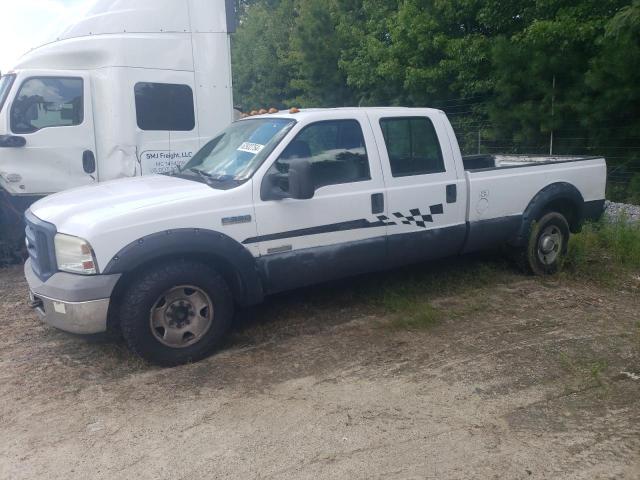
[[135, 87]]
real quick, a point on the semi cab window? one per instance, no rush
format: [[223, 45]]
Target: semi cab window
[[336, 150], [412, 145], [5, 86], [164, 107], [47, 102]]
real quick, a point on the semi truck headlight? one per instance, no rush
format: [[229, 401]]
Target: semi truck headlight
[[75, 255]]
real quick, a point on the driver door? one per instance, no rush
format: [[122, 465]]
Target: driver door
[[341, 231]]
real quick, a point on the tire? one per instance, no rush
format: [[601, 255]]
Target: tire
[[546, 246], [176, 313]]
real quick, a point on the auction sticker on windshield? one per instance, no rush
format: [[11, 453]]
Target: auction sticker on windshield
[[248, 147]]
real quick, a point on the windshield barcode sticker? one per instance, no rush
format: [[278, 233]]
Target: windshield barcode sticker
[[254, 148]]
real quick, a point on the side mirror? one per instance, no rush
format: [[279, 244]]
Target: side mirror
[[88, 162], [12, 141], [301, 186], [297, 183]]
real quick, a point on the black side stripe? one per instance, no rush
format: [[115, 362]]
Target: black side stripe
[[416, 217], [303, 232]]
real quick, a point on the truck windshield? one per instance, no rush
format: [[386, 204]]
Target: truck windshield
[[5, 85], [239, 150]]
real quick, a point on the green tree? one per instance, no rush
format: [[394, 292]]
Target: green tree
[[260, 55], [512, 70]]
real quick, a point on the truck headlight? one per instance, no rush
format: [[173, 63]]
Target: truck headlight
[[75, 255]]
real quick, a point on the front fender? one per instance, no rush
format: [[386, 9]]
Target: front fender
[[207, 245]]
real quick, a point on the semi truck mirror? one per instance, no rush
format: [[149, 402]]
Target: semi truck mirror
[[89, 162], [12, 141]]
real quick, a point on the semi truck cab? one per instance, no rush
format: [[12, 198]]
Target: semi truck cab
[[133, 88]]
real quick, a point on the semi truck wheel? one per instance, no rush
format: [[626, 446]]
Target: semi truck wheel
[[176, 313], [547, 245]]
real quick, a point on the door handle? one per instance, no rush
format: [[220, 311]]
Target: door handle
[[452, 193], [89, 162], [377, 203]]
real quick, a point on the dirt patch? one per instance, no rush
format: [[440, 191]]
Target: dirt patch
[[517, 378]]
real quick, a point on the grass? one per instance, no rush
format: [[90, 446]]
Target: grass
[[602, 252], [584, 372], [407, 296], [604, 249], [412, 316]]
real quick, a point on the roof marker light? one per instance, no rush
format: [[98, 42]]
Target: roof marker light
[[294, 110]]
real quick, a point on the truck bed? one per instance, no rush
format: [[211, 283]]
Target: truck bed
[[488, 161]]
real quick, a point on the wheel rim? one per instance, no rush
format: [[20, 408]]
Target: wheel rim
[[550, 245], [181, 316]]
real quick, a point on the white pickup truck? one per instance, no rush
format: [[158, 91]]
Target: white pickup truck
[[283, 200]]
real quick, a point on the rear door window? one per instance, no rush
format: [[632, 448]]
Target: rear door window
[[412, 145], [47, 102], [164, 107]]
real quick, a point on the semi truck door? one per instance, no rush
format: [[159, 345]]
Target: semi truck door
[[54, 114], [167, 134], [426, 204]]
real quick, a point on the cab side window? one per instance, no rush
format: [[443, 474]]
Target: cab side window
[[47, 102], [412, 145], [164, 107], [336, 150]]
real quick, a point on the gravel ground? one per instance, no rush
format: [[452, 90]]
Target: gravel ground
[[615, 210], [522, 379]]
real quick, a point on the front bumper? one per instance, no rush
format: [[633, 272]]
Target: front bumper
[[83, 318], [73, 303]]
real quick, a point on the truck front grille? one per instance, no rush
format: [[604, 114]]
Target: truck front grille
[[40, 245]]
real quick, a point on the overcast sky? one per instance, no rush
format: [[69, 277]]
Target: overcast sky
[[25, 24]]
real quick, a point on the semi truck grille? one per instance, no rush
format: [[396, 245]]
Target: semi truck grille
[[39, 239]]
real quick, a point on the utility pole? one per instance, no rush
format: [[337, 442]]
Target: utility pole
[[479, 140], [553, 106]]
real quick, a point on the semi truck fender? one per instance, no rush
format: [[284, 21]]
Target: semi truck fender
[[561, 197], [232, 260]]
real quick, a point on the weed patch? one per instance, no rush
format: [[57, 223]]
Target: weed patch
[[605, 249], [584, 373], [407, 296]]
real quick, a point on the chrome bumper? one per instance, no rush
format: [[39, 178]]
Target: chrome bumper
[[83, 318], [73, 303]]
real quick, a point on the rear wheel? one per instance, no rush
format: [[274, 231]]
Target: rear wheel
[[547, 245], [176, 313]]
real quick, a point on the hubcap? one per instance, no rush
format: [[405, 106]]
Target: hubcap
[[181, 316], [550, 245]]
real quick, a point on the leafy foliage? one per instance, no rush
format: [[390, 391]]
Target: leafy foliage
[[509, 72]]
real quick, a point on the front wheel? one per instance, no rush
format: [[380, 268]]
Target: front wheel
[[176, 313], [547, 245]]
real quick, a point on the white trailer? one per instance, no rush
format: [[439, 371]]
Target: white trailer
[[133, 88]]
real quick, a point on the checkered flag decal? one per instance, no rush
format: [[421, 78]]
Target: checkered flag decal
[[416, 217]]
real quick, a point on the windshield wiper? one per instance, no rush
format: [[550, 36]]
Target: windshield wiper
[[204, 175], [213, 177]]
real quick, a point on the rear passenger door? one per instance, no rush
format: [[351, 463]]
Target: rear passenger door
[[341, 230], [426, 214]]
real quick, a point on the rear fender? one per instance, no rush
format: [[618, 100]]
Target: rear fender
[[563, 197]]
